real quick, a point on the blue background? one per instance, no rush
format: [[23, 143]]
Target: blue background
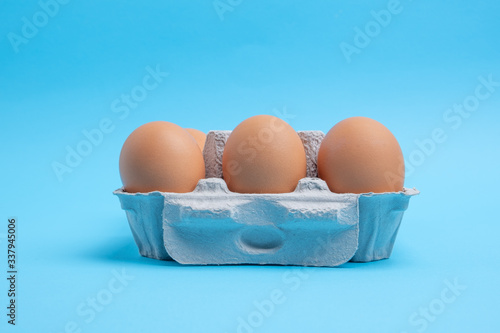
[[262, 57]]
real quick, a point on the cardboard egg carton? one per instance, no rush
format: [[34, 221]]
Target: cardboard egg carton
[[309, 227]]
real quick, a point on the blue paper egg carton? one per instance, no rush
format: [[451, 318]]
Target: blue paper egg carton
[[309, 227]]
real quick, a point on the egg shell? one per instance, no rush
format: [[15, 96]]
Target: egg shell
[[263, 154], [199, 136], [161, 156], [360, 155]]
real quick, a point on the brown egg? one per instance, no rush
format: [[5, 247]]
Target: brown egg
[[263, 154], [199, 136], [360, 155], [161, 156]]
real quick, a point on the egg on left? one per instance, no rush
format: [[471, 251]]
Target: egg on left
[[161, 156]]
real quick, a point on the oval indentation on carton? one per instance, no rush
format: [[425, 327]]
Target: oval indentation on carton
[[261, 239]]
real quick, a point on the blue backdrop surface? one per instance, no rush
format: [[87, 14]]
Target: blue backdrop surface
[[428, 70]]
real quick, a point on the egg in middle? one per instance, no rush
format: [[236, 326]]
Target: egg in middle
[[263, 154]]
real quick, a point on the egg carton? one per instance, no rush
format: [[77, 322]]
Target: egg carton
[[311, 226]]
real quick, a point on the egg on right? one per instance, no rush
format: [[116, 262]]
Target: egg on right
[[361, 155]]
